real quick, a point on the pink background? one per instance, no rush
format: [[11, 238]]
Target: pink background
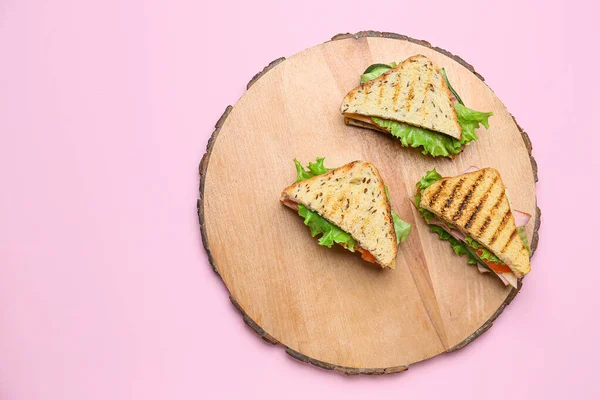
[[105, 111]]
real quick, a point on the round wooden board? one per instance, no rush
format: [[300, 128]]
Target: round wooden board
[[327, 306]]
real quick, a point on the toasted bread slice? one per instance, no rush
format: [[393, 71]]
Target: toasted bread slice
[[477, 205], [353, 198], [413, 92]]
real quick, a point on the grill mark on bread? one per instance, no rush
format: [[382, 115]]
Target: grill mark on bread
[[500, 198], [429, 90], [425, 95], [485, 225], [510, 239], [488, 219], [381, 90], [481, 203], [411, 96], [500, 228], [468, 196], [452, 195], [365, 98], [397, 89], [435, 196]]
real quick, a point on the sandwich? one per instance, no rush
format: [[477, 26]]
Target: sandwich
[[415, 103], [349, 206], [473, 213]]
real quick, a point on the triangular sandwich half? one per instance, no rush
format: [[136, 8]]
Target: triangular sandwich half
[[413, 92], [352, 200], [474, 208], [414, 102]]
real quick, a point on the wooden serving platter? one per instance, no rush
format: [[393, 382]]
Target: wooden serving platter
[[327, 306]]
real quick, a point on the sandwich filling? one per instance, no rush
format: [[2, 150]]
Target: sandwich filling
[[464, 245], [329, 232], [432, 142]]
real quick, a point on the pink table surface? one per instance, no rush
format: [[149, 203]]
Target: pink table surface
[[105, 111]]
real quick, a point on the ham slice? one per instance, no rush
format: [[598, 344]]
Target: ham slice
[[439, 223], [454, 232], [503, 279], [509, 278], [291, 204], [521, 218], [457, 234], [472, 168], [482, 269]]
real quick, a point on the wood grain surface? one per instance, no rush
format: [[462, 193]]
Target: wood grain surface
[[327, 306]]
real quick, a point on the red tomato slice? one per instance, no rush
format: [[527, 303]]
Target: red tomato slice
[[499, 268], [365, 254]]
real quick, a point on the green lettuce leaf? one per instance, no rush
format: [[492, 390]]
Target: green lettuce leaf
[[433, 143], [485, 253], [429, 179], [375, 71], [451, 88], [428, 215], [317, 168], [523, 237], [437, 144], [469, 120], [426, 181], [401, 227], [458, 247], [320, 226], [301, 173], [314, 169]]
